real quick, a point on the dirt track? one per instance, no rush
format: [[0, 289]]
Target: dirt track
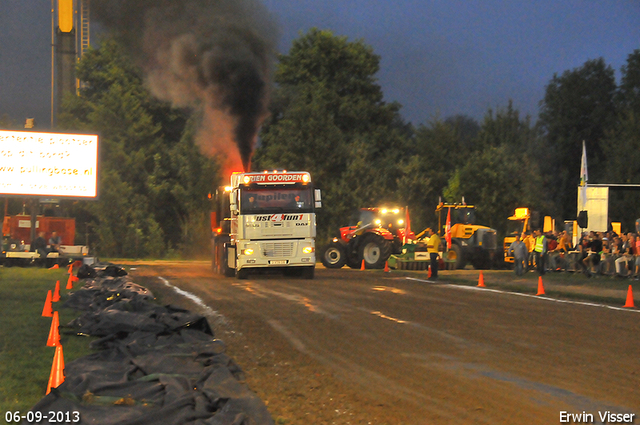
[[354, 347]]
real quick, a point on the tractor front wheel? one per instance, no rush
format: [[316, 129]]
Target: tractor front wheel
[[455, 256], [334, 256]]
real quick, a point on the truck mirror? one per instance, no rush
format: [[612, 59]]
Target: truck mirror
[[233, 201], [318, 198]]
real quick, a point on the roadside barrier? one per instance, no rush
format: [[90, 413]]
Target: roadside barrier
[[154, 364]]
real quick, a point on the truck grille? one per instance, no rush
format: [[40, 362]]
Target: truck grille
[[278, 249]]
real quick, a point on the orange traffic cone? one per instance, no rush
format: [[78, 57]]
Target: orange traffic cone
[[629, 302], [429, 273], [69, 283], [56, 293], [55, 266], [362, 266], [481, 280], [70, 268], [47, 311], [386, 266], [54, 335], [57, 370], [540, 286]]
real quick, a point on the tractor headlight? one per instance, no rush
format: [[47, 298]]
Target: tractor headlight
[[378, 222], [400, 222], [307, 250], [248, 251]]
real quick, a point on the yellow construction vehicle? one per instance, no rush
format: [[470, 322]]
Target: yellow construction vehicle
[[523, 220], [470, 243]]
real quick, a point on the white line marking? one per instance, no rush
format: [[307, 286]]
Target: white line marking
[[208, 310], [538, 297]]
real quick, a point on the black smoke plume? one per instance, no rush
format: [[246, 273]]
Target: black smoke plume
[[214, 56]]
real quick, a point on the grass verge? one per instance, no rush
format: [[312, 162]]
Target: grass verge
[[25, 360]]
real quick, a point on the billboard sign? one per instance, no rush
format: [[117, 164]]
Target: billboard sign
[[48, 164]]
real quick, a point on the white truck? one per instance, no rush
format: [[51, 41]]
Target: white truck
[[265, 221]]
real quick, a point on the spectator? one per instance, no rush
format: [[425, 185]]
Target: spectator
[[552, 253], [628, 249], [594, 252], [637, 262], [529, 242], [583, 250], [559, 261], [520, 255], [39, 245], [606, 259], [540, 251], [54, 242]]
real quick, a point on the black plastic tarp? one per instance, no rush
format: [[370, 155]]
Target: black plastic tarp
[[154, 364]]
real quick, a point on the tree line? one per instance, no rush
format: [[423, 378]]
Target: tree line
[[328, 116]]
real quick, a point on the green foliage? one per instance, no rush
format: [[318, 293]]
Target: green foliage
[[496, 182], [629, 90], [437, 150], [504, 174], [153, 178], [578, 106], [328, 117]]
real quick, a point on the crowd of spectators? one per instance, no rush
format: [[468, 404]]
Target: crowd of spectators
[[596, 253]]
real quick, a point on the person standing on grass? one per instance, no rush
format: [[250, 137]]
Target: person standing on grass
[[540, 251], [520, 255], [433, 248]]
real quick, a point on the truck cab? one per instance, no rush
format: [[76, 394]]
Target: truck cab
[[265, 221]]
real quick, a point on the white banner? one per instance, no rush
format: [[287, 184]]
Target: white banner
[[48, 164]]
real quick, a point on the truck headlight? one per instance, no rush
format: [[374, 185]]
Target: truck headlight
[[248, 251], [307, 250]]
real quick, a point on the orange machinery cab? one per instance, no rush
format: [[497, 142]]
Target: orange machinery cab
[[18, 227]]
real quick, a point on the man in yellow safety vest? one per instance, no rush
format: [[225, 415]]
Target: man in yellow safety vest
[[540, 251]]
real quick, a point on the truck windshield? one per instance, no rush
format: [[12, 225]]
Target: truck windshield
[[281, 199], [515, 227]]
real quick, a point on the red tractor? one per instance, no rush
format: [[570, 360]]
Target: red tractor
[[374, 235]]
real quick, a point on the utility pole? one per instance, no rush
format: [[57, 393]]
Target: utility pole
[[64, 56]]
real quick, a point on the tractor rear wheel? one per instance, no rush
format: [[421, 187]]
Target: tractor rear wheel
[[374, 250], [334, 256]]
